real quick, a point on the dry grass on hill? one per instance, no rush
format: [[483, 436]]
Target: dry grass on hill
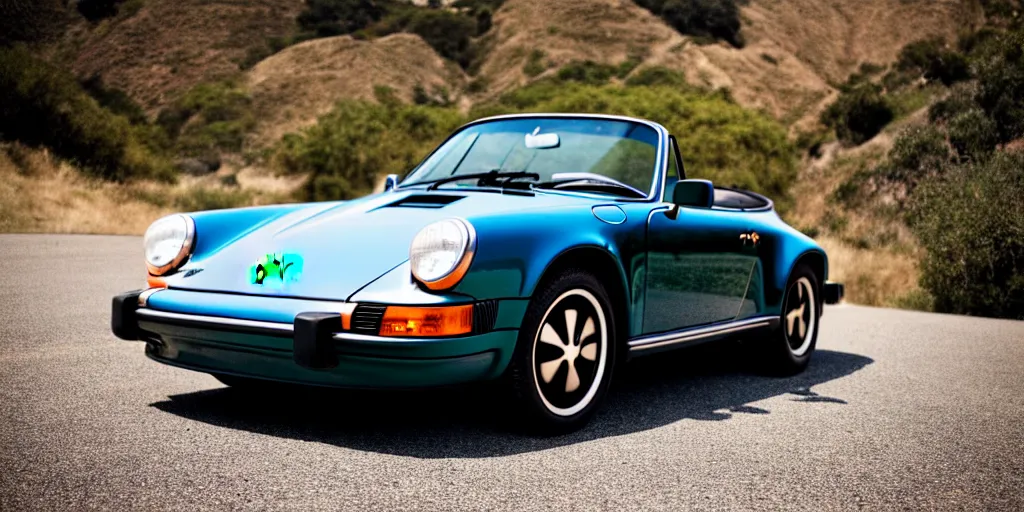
[[606, 31], [169, 46], [41, 194], [870, 250], [794, 49], [294, 87]]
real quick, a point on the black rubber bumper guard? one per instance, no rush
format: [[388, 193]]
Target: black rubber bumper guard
[[123, 320]]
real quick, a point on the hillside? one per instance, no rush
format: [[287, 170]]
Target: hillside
[[795, 49], [292, 88], [167, 47]]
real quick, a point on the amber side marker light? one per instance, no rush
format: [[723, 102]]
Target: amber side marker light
[[417, 321], [155, 282]]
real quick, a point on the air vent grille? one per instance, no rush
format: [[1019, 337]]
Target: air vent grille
[[425, 201], [485, 313], [366, 318]]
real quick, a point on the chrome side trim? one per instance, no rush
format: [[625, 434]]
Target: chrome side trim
[[690, 335], [212, 320]]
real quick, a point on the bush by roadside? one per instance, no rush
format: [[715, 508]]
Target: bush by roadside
[[972, 225], [44, 106]]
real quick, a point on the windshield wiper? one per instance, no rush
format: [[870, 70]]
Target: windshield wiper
[[592, 181], [492, 178]]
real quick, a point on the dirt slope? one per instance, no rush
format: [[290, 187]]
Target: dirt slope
[[292, 88], [169, 46], [795, 48]]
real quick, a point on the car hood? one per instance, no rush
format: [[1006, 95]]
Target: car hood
[[335, 249]]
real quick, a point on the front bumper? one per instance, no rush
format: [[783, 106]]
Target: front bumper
[[312, 349]]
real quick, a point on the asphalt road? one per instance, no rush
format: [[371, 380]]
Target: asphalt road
[[897, 410]]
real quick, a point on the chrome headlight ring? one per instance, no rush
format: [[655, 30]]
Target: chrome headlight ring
[[441, 253], [168, 243]]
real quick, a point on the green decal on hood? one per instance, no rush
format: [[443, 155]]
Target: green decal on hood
[[276, 269]]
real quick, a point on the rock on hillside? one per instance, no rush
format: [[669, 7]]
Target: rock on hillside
[[169, 46], [794, 49], [295, 86]]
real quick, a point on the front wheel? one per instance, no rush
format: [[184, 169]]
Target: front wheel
[[563, 361], [789, 348]]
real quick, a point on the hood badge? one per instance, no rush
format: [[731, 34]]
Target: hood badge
[[276, 269]]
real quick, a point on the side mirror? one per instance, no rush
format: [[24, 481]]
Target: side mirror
[[694, 193], [390, 182]]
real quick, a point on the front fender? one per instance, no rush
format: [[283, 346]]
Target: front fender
[[514, 253]]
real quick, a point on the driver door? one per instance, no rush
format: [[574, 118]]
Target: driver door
[[698, 266]]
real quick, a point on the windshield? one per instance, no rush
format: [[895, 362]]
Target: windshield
[[554, 148]]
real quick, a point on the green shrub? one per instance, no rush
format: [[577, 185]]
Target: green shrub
[[42, 105], [114, 100], [481, 10], [449, 33], [962, 98], [657, 75], [718, 19], [858, 114], [586, 72], [970, 223], [1001, 85], [31, 22], [918, 154], [210, 117], [350, 147], [972, 134], [932, 59], [96, 10], [534, 63], [327, 18]]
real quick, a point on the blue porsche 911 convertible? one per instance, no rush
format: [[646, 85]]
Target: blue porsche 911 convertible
[[544, 250]]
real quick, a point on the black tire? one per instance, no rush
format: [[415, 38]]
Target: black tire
[[789, 348], [558, 392]]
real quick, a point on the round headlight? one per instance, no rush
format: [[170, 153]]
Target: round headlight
[[441, 253], [168, 242]]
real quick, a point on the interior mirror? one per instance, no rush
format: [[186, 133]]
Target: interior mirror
[[542, 141], [694, 193], [390, 182]]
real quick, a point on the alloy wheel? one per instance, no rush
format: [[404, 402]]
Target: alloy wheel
[[570, 352]]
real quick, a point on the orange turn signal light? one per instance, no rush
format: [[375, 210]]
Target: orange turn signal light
[[155, 282], [435, 321]]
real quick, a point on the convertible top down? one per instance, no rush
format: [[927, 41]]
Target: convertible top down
[[543, 250]]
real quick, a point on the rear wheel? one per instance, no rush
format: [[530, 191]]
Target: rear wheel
[[563, 362], [789, 348]]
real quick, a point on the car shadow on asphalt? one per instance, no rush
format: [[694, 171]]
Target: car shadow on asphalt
[[707, 383]]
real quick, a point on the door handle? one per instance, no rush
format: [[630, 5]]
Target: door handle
[[751, 238]]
